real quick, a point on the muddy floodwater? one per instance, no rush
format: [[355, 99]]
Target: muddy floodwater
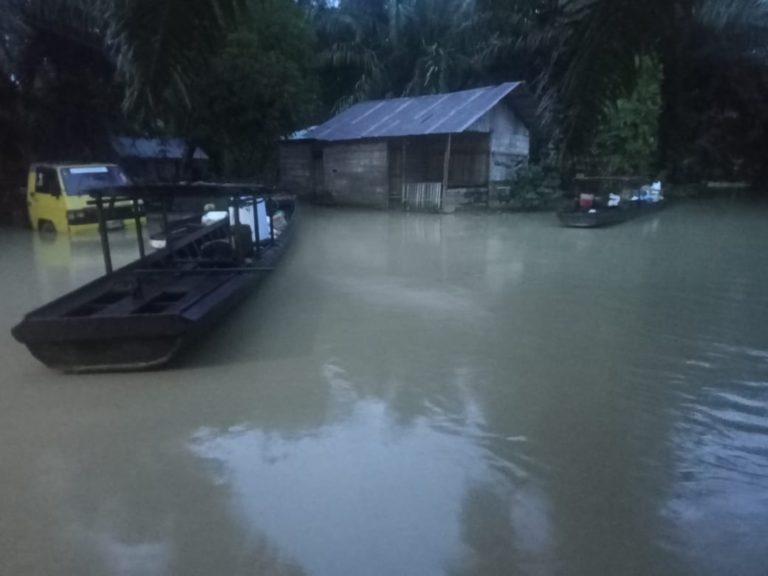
[[414, 395]]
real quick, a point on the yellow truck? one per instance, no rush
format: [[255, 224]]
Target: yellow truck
[[58, 196]]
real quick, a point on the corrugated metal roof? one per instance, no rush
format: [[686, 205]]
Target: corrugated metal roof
[[300, 134], [439, 114], [174, 148]]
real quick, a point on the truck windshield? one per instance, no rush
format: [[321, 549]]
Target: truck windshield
[[81, 180]]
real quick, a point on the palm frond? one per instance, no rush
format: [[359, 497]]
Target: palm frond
[[595, 62], [736, 31], [161, 46]]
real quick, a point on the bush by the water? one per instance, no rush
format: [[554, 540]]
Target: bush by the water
[[535, 187]]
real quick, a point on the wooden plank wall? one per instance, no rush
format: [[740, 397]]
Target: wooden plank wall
[[469, 160], [425, 155], [296, 169], [396, 147], [510, 143], [356, 173]]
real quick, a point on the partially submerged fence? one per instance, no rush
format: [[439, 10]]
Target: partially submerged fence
[[423, 196]]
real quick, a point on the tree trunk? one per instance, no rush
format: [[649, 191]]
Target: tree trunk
[[393, 7], [673, 134]]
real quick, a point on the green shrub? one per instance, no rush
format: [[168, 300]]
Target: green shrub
[[534, 187]]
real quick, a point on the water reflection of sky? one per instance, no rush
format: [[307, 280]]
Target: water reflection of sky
[[415, 395], [720, 493], [367, 495]]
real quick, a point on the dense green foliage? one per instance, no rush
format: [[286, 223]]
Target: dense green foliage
[[698, 43], [660, 87], [535, 187], [259, 87], [625, 142], [377, 49], [73, 72]]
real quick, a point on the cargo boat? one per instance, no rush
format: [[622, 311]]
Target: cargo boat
[[605, 201], [140, 316], [607, 216]]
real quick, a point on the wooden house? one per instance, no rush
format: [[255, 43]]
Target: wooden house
[[435, 152]]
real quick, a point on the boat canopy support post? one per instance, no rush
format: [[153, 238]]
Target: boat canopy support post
[[271, 221], [446, 169], [237, 201], [139, 231], [167, 228], [257, 233], [103, 233]]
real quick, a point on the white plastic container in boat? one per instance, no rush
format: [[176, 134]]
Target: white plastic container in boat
[[247, 217]]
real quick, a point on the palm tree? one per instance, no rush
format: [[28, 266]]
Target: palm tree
[[437, 42], [397, 47], [162, 46], [355, 45], [54, 68], [596, 58], [516, 38], [67, 65], [158, 47]]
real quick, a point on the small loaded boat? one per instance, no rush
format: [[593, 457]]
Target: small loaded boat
[[608, 201], [141, 315]]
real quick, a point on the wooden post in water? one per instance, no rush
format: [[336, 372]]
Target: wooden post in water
[[446, 166]]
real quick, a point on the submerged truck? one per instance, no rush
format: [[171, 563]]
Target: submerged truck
[[58, 197]]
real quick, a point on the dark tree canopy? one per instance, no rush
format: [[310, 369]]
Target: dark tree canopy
[[235, 76]]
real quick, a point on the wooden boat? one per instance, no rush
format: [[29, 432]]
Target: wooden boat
[[179, 214], [633, 201], [141, 315], [607, 216]]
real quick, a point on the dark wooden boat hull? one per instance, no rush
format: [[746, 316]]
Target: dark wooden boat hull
[[147, 330], [605, 216], [106, 356]]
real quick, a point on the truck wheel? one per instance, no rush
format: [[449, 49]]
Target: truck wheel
[[46, 227]]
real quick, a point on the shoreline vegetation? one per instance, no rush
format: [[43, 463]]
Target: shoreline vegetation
[[622, 87]]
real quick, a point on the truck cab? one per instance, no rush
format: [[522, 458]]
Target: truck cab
[[58, 196]]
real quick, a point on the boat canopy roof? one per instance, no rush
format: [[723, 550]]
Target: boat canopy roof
[[609, 178], [160, 191], [235, 195]]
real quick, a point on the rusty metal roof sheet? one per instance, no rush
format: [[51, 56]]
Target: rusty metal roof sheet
[[439, 114]]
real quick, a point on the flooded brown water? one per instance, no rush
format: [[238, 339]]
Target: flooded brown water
[[414, 394]]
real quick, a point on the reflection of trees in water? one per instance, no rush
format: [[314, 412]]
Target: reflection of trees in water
[[566, 387], [122, 491], [158, 512], [65, 261], [547, 359], [506, 530], [415, 315], [592, 451], [488, 534], [584, 372]]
